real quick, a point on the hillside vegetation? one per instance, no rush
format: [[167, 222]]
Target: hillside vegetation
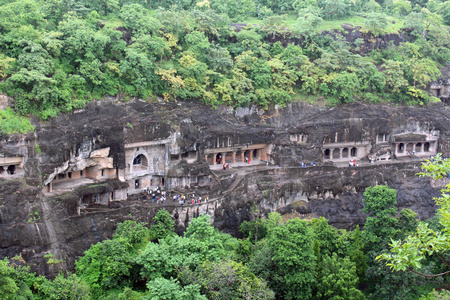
[[58, 55]]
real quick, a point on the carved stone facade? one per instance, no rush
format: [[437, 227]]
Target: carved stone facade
[[83, 180]]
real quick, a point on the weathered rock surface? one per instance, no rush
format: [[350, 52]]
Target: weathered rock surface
[[33, 223]]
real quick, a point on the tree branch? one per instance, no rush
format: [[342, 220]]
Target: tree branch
[[442, 260], [437, 275]]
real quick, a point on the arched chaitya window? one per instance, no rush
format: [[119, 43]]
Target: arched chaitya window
[[140, 162], [354, 152], [326, 154]]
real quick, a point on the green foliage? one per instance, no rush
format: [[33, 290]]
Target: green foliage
[[201, 243], [334, 9], [326, 236], [380, 200], [107, 265], [286, 260], [132, 231], [295, 260], [376, 23], [60, 57], [63, 286], [11, 123], [12, 285], [437, 295], [170, 289], [227, 280], [308, 21], [337, 279], [412, 253], [383, 222], [164, 225]]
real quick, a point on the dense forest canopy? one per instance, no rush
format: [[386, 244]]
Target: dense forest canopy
[[57, 55]]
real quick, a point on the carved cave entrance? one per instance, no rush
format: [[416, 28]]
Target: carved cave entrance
[[336, 153], [140, 163], [219, 158], [345, 153]]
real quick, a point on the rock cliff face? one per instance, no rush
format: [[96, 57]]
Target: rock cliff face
[[66, 186]]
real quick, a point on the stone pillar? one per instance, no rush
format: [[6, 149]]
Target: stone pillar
[[340, 153], [214, 159], [242, 156], [251, 155], [234, 157], [206, 158]]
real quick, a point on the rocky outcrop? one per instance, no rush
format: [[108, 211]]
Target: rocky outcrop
[[182, 142]]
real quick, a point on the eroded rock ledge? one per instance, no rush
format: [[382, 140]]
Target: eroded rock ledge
[[67, 185]]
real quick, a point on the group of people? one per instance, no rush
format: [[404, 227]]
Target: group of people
[[194, 200], [303, 165], [352, 163], [159, 196]]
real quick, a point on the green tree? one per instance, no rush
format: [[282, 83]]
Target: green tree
[[376, 23], [308, 21], [287, 261], [394, 75], [12, 282], [383, 223], [410, 254], [379, 204], [21, 12], [202, 242], [107, 265], [170, 289], [164, 225], [227, 280], [337, 279], [326, 236], [424, 23], [334, 9], [275, 25], [6, 64], [401, 7], [132, 231], [64, 286]]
